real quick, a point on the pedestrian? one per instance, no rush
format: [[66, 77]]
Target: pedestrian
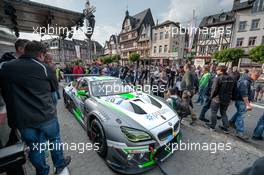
[[259, 86], [221, 96], [162, 84], [243, 96], [68, 71], [19, 47], [208, 90], [26, 86], [258, 131], [235, 74], [189, 81], [179, 105], [203, 82], [55, 94]]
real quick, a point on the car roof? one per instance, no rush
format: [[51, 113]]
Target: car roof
[[100, 78]]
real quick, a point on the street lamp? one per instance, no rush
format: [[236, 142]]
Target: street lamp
[[90, 24]]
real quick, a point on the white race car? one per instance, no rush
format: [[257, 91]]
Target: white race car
[[134, 130]]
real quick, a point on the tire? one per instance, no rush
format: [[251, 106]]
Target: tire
[[97, 137]]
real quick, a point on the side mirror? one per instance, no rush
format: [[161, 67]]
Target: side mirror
[[83, 93]]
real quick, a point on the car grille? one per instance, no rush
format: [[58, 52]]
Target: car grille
[[164, 134]]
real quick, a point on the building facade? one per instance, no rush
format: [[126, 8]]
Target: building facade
[[215, 33], [249, 28], [135, 35], [168, 43], [112, 47], [70, 50]]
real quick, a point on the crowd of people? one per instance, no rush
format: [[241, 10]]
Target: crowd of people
[[216, 88], [30, 90]]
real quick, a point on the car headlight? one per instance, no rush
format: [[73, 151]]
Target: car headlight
[[135, 135]]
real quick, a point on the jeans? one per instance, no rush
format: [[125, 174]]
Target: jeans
[[239, 116], [215, 106], [201, 96], [258, 132], [36, 137], [206, 107]]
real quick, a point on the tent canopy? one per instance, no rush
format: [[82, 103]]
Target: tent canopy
[[27, 16]]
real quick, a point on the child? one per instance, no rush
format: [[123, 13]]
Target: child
[[181, 106]]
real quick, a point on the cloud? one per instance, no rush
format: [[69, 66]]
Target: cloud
[[103, 33], [182, 11]]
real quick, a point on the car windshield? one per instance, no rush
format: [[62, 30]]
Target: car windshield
[[109, 87]]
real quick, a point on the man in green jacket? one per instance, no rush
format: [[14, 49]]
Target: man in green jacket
[[203, 84]]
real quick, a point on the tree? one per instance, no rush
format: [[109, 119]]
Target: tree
[[116, 58], [257, 54], [229, 55], [133, 57], [107, 59]]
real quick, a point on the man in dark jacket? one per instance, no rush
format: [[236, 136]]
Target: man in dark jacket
[[19, 46], [9, 56], [235, 74], [26, 87], [244, 95], [221, 97]]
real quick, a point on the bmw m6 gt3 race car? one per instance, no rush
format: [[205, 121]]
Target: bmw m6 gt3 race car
[[133, 130]]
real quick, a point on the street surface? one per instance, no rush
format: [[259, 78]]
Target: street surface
[[193, 162], [182, 162]]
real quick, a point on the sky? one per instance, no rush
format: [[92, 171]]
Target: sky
[[110, 14]]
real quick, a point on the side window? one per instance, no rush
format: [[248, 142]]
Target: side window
[[83, 85]]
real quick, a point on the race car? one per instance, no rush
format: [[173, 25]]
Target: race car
[[133, 130]]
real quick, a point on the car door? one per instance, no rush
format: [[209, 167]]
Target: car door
[[81, 94]]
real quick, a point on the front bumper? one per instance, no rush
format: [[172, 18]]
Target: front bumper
[[135, 160]]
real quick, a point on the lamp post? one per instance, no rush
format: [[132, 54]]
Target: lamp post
[[90, 24]]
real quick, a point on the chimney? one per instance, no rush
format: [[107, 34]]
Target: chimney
[[157, 22], [236, 4]]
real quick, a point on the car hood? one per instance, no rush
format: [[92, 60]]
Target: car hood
[[147, 110]]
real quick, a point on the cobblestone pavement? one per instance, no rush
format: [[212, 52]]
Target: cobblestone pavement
[[192, 162]]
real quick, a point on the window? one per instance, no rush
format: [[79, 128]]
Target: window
[[211, 20], [252, 41], [161, 35], [239, 42], [83, 85], [125, 54], [155, 49], [262, 41], [258, 6], [223, 18], [242, 25], [155, 37], [225, 46], [212, 49], [255, 24], [165, 49], [166, 35], [160, 49], [202, 49]]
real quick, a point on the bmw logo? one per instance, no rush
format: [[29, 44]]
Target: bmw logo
[[170, 123]]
